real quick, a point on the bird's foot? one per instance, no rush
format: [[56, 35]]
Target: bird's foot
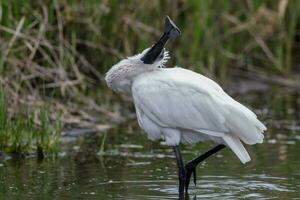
[[190, 169]]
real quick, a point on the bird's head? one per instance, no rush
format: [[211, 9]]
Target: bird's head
[[121, 75]]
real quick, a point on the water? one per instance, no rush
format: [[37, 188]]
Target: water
[[131, 167]]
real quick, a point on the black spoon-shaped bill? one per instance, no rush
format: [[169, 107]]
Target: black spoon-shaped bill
[[171, 31]]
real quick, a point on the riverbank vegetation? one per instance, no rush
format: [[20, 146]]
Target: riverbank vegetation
[[28, 132], [54, 54]]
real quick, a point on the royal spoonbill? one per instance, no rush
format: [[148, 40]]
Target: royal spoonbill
[[180, 106]]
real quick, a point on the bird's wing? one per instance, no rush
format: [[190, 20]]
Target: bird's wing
[[180, 98]]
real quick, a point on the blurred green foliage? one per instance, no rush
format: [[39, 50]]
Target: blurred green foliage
[[216, 35], [19, 134]]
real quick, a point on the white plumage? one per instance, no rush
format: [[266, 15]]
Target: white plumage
[[179, 105]]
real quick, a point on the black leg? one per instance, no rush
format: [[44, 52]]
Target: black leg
[[190, 167], [182, 172]]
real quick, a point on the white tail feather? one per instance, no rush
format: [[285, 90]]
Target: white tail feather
[[237, 147]]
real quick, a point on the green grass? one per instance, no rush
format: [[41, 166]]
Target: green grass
[[216, 36], [27, 133]]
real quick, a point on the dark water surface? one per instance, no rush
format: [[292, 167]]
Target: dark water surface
[[131, 167]]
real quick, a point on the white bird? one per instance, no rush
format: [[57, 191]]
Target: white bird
[[180, 106]]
